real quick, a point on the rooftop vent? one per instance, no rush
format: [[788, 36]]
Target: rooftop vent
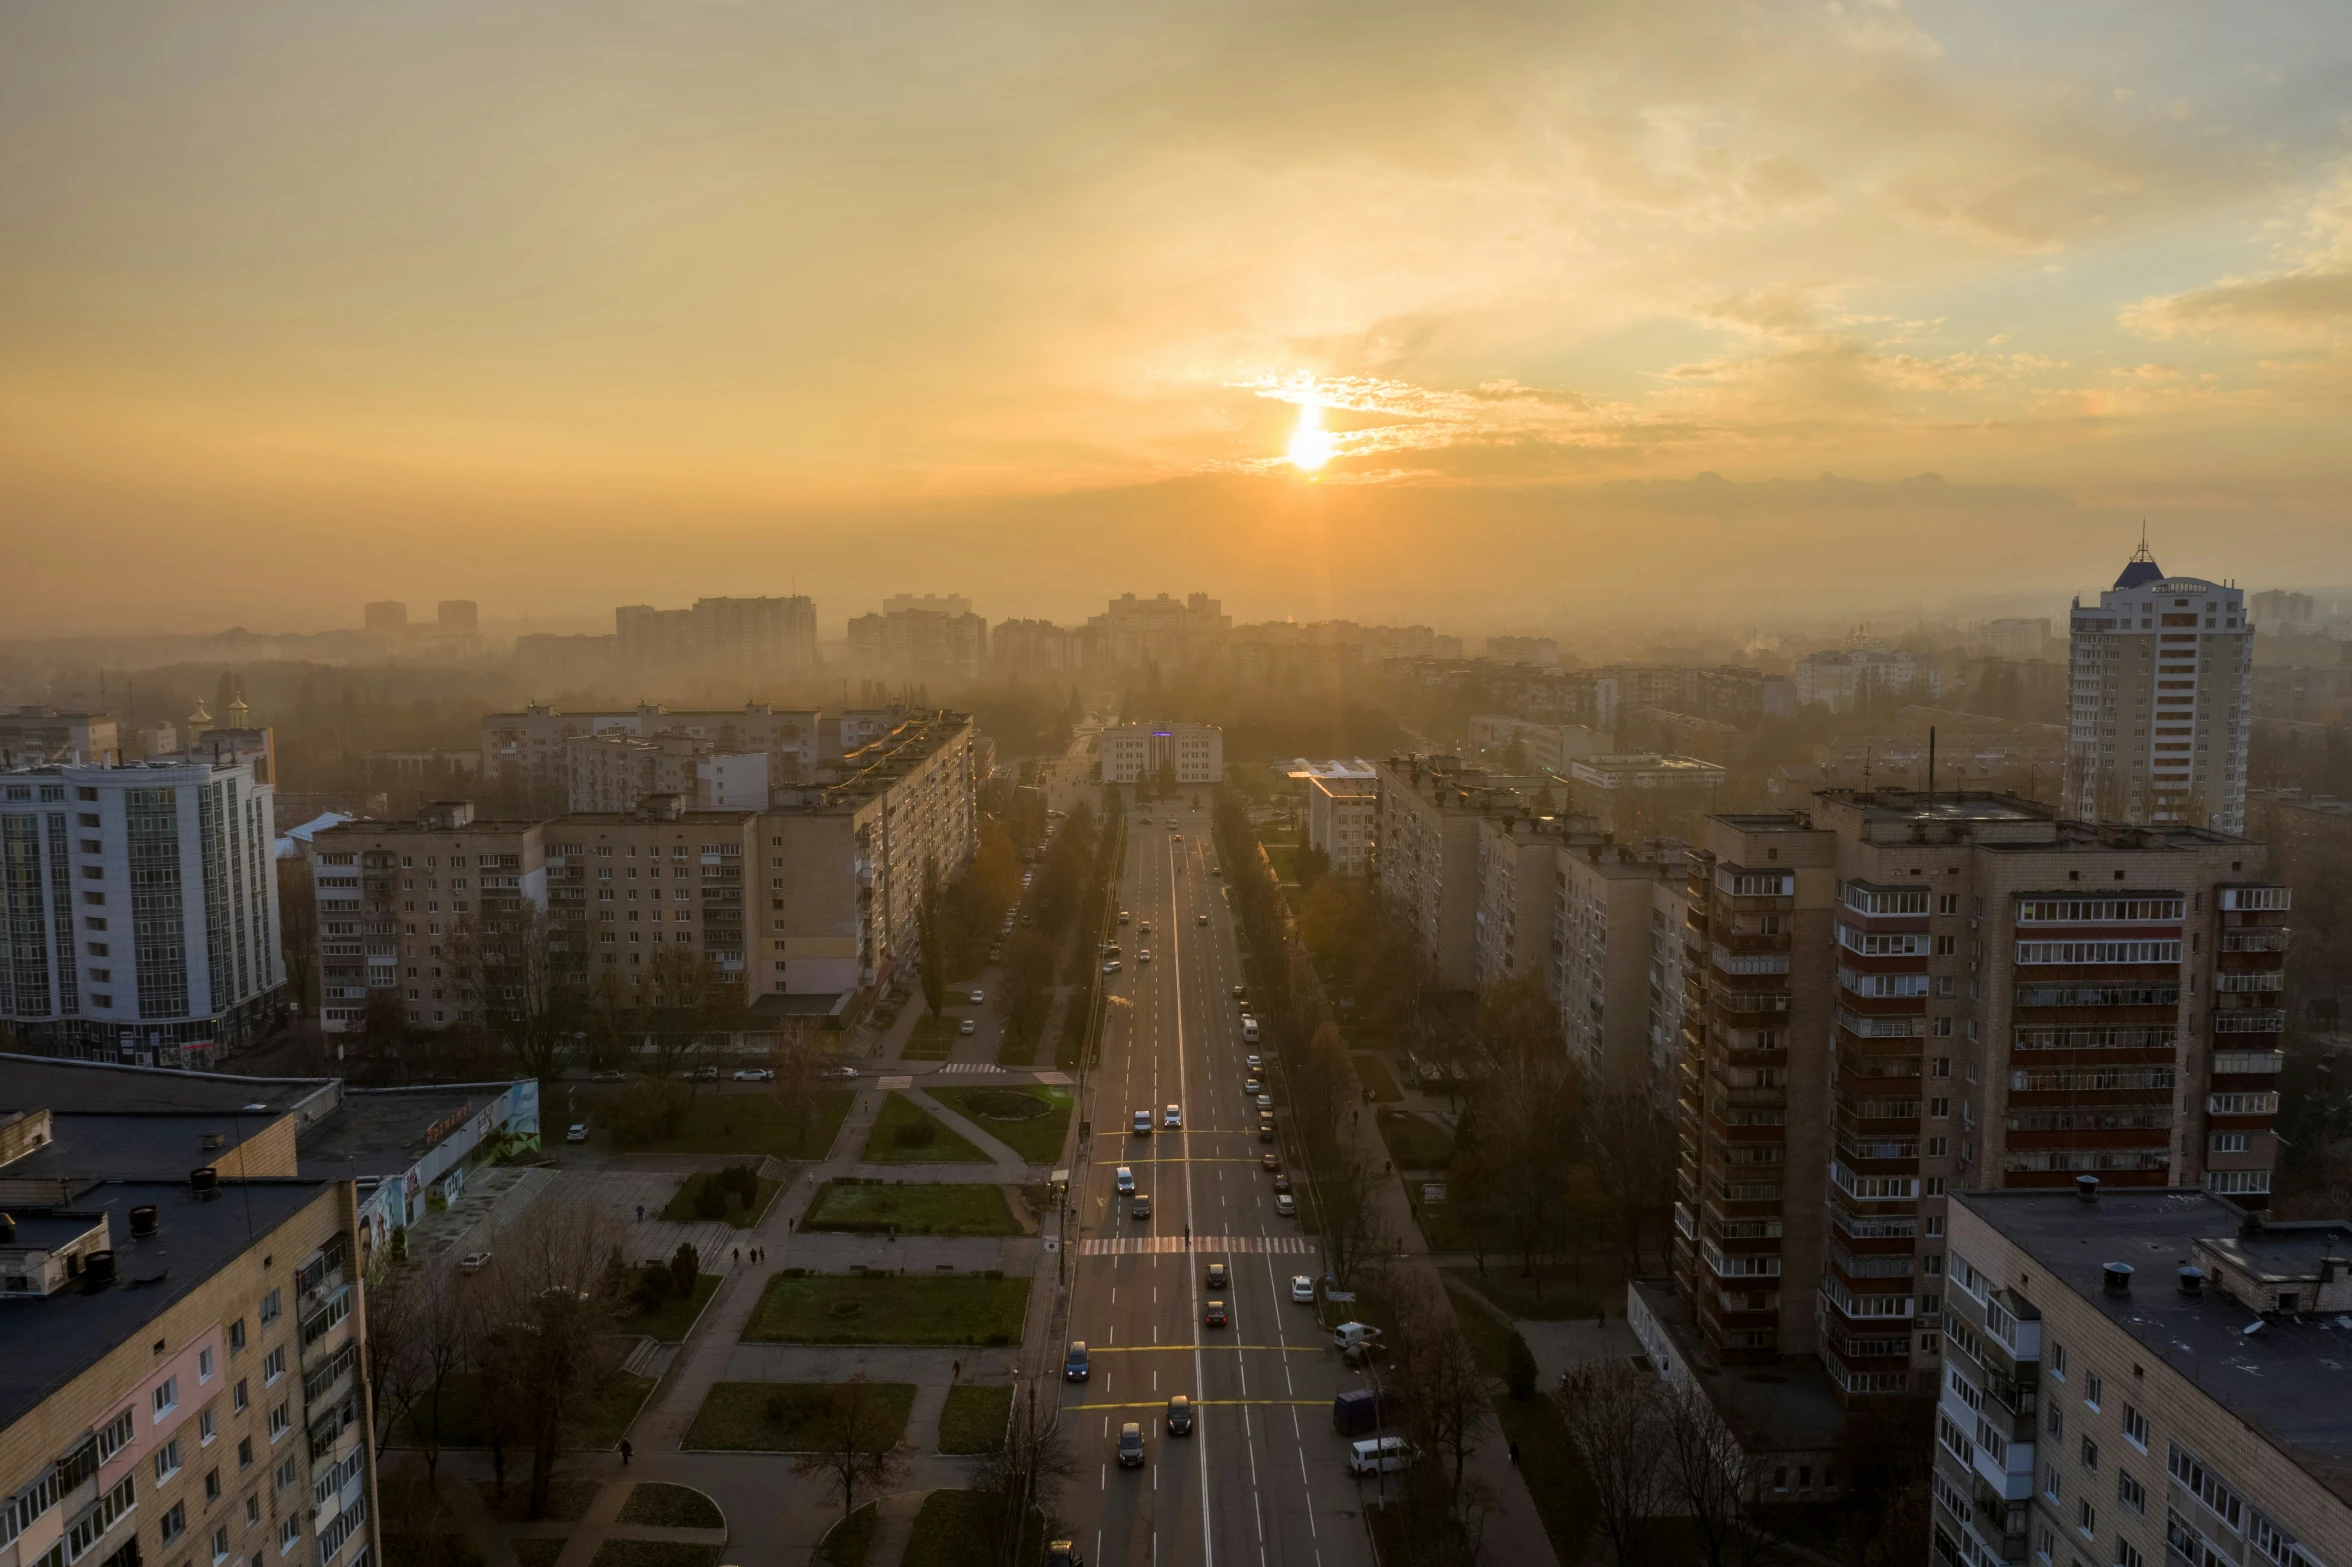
[[2117, 1277], [214, 1140], [204, 1178], [2086, 1187], [98, 1269], [145, 1220], [2192, 1281]]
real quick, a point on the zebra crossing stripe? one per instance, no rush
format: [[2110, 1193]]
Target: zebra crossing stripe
[[1166, 1245], [982, 1067]]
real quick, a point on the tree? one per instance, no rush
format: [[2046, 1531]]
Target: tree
[[515, 974], [547, 1347], [794, 1058], [931, 942], [420, 1333], [1709, 1470], [685, 1268], [1634, 1153], [1022, 1480], [854, 1441], [1346, 1191], [1611, 1411], [298, 929], [1439, 1389]]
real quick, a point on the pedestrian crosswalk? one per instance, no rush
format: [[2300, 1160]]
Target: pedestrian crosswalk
[[1158, 1245], [971, 1068]]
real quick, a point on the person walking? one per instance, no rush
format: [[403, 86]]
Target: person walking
[[641, 1213], [627, 1452]]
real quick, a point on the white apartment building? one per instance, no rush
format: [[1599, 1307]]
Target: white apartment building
[[1343, 812], [2163, 685], [1128, 753], [613, 772], [1842, 678], [1548, 747], [526, 751], [141, 907]]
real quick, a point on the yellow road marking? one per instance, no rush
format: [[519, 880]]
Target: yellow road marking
[[1203, 1403], [1171, 1349]]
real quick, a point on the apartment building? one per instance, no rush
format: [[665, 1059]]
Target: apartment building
[[615, 772], [1133, 753], [1719, 691], [1895, 996], [1343, 811], [394, 902], [184, 1359], [627, 887], [525, 754], [1544, 651], [1134, 633], [1546, 747], [847, 859], [1644, 794], [916, 637], [2163, 675], [2141, 1376], [1605, 940], [1841, 679], [1428, 867], [141, 904], [40, 736], [755, 638], [1039, 647]]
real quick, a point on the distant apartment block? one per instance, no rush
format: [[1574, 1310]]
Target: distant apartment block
[[2285, 611], [1841, 679], [751, 638], [40, 736], [458, 617], [628, 887], [527, 753], [1137, 632], [1128, 753], [1427, 866], [2163, 701], [1542, 747], [615, 772], [915, 637], [2018, 637], [141, 904], [1726, 691], [2140, 1377], [1343, 811], [1039, 647], [1544, 651], [386, 618]]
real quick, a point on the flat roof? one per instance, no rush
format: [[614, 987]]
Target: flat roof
[[2291, 1382], [55, 1084], [147, 1145], [382, 1131], [1793, 1398], [55, 1339]]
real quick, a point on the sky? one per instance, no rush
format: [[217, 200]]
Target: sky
[[1590, 309]]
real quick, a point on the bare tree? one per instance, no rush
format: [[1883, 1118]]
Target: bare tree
[[1442, 1394], [1708, 1466], [515, 972], [420, 1334], [298, 928], [1634, 1153], [1023, 1480], [546, 1345], [1346, 1191], [855, 1441], [793, 1057], [1611, 1411]]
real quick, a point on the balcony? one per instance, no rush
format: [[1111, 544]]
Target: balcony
[[2247, 1063], [1852, 1146], [2249, 1022], [2243, 982]]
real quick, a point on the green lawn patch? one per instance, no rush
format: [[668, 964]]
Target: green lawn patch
[[654, 1553], [975, 1418], [740, 1124], [1017, 1045], [932, 1037], [775, 1417], [1561, 1299], [1415, 1142], [536, 1552], [599, 1424], [906, 1133], [1372, 1071], [945, 1529], [876, 1207], [848, 1542], [685, 1207], [659, 1505], [1030, 1119], [670, 1321], [876, 1308]]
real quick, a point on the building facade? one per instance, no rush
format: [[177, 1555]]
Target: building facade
[[752, 638], [627, 888], [41, 736], [2163, 674], [1546, 747], [916, 637], [615, 772], [1343, 814], [1134, 633], [1843, 679], [141, 907], [1135, 753], [525, 755]]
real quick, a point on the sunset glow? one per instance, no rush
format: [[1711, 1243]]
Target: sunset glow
[[1311, 446]]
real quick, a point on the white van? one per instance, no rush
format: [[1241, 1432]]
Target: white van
[[1380, 1455], [1249, 1030]]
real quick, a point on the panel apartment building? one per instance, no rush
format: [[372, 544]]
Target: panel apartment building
[[1893, 997], [140, 905], [2141, 1376], [525, 754], [1131, 753], [2163, 676]]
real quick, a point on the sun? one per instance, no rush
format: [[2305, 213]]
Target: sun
[[1311, 446]]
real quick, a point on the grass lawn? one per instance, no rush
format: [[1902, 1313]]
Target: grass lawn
[[669, 1322], [873, 1308], [975, 1418], [1017, 1045], [567, 1500], [906, 1133], [774, 1417], [912, 1209], [537, 1553], [1562, 1299], [742, 1215], [945, 1529], [661, 1506], [599, 1425], [932, 1037], [1416, 1142], [1032, 1120], [1372, 1071], [739, 1124], [1548, 1460], [654, 1553], [849, 1542]]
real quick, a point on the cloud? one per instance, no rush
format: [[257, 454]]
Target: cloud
[[1713, 494], [2313, 304]]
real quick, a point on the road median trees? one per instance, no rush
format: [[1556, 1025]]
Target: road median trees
[[546, 1344], [1022, 1481], [855, 1441]]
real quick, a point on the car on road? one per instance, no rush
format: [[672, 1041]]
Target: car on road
[[1286, 1205], [1213, 1314], [1144, 956], [1172, 828], [1126, 1181], [838, 1071], [578, 1133], [1200, 919], [473, 1262], [1270, 1161], [1302, 1289], [1112, 949], [979, 996], [1143, 929], [965, 1027], [1143, 1123], [1253, 1062], [1141, 1208], [1249, 1030], [1172, 1118], [1240, 992], [608, 1075], [1063, 1553], [1180, 1415], [1265, 1101], [1131, 1446], [1075, 1367], [1265, 1126], [1216, 1275], [1124, 916], [1111, 967], [1216, 870], [1252, 1087], [1281, 1183], [755, 1074], [1380, 1455], [706, 1074]]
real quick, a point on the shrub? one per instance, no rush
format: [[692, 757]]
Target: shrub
[[710, 1200], [915, 1134], [685, 1266], [1519, 1367]]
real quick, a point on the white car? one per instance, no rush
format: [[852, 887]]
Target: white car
[[1111, 967], [1172, 1118], [1265, 1101], [1380, 1455], [1126, 1179], [755, 1074], [1286, 1205], [473, 1262], [1144, 956], [978, 997], [1302, 1289], [1253, 1062], [578, 1133], [839, 1071], [965, 1027], [1249, 1030], [1200, 919]]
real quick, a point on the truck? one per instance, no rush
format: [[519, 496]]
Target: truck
[[1356, 1412]]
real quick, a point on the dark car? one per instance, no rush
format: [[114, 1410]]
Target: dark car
[[1282, 1183], [1131, 1446], [1270, 1161], [1213, 1314], [1180, 1415], [1063, 1553], [1074, 1364]]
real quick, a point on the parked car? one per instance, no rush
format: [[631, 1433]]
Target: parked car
[[1111, 967], [1355, 1411], [755, 1074], [608, 1075], [473, 1262], [1254, 1063], [1286, 1205], [1282, 1183], [1380, 1455], [839, 1071], [978, 997], [1075, 1367], [1131, 1446], [706, 1074], [1302, 1289], [1270, 1161], [1213, 1314], [1265, 1101], [578, 1133], [1249, 1030], [1252, 1087], [1240, 991], [1180, 1415], [965, 1027]]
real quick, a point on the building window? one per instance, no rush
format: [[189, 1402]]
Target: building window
[[239, 1399], [244, 1452], [281, 1420], [2130, 1494], [2058, 1361], [2086, 1519], [2135, 1428], [175, 1522], [273, 1365], [2126, 1554], [167, 1460], [2092, 1386], [166, 1398], [204, 1365], [205, 1429], [272, 1307], [212, 1487], [289, 1533], [2090, 1455]]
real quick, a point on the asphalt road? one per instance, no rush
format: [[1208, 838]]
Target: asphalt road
[[1263, 1478]]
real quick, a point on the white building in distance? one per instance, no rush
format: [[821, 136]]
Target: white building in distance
[[1343, 811], [1132, 752]]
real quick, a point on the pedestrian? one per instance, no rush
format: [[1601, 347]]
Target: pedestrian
[[1514, 1451], [1601, 1317], [955, 1371], [738, 1254], [641, 1213], [627, 1452]]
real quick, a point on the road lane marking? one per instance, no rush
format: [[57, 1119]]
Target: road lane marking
[[1160, 1245], [1203, 1403]]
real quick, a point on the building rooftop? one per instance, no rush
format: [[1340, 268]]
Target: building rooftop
[[382, 1131], [48, 1083], [53, 1340], [2291, 1380], [147, 1145], [1355, 769], [1789, 1407], [1945, 805]]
